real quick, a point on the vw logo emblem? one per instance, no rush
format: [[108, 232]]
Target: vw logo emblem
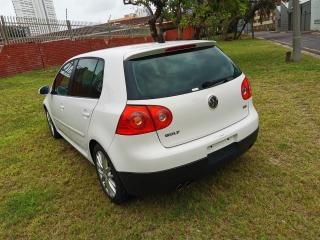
[[213, 102]]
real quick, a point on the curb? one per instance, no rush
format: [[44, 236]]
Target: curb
[[285, 45]]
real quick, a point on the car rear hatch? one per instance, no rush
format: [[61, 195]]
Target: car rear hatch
[[200, 85]]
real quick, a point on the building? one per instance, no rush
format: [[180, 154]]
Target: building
[[266, 23], [42, 9], [315, 15], [142, 12], [283, 16], [310, 15]]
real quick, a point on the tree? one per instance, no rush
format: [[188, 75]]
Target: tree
[[155, 15], [174, 11], [233, 11], [263, 7], [208, 17], [198, 15]]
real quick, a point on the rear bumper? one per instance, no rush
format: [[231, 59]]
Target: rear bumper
[[145, 154], [142, 183]]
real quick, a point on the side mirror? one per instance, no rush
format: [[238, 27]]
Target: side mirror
[[44, 90]]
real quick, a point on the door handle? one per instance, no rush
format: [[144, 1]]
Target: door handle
[[61, 107], [85, 114]]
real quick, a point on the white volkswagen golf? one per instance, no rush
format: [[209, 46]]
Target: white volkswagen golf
[[152, 117]]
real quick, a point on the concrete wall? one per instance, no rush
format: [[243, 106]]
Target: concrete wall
[[315, 15]]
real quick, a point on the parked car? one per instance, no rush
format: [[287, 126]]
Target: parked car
[[154, 116]]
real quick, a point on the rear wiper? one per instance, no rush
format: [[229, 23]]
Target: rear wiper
[[209, 84]]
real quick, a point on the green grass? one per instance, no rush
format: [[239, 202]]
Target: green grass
[[25, 205], [49, 191]]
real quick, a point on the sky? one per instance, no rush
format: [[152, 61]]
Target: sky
[[80, 10]]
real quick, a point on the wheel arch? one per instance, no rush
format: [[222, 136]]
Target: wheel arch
[[94, 142]]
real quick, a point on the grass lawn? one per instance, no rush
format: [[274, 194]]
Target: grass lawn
[[49, 191]]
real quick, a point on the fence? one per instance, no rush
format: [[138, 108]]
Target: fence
[[19, 30]]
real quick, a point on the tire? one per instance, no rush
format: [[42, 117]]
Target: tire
[[51, 126], [108, 177]]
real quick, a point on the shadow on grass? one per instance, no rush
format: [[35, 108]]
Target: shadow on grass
[[190, 200]]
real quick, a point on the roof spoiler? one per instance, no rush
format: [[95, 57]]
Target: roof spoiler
[[163, 48]]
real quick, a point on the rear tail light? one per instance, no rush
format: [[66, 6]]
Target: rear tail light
[[246, 91], [137, 119]]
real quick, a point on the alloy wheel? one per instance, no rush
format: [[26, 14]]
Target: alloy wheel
[[105, 174]]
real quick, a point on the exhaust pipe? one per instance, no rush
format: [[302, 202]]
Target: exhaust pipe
[[188, 183]]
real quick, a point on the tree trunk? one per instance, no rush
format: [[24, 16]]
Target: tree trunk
[[153, 29], [161, 31], [179, 33], [236, 29], [178, 21], [156, 34], [161, 36], [230, 24], [252, 29], [243, 27], [225, 31], [196, 32]]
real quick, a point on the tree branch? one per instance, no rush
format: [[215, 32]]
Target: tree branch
[[139, 3]]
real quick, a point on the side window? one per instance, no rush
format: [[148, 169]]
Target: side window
[[83, 77], [97, 80], [62, 80]]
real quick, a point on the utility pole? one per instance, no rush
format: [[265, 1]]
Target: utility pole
[[296, 41]]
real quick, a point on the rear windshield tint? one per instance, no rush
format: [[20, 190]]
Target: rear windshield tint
[[167, 75]]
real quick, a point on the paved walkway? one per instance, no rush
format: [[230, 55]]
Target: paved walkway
[[310, 41]]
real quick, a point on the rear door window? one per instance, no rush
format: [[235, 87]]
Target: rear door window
[[83, 77], [178, 73]]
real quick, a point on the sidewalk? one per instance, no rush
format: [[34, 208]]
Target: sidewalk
[[310, 40]]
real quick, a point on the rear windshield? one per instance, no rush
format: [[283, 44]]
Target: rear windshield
[[167, 75]]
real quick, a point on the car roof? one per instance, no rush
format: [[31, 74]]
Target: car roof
[[138, 49]]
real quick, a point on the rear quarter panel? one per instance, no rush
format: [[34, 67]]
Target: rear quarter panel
[[111, 103]]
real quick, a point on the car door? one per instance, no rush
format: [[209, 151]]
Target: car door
[[59, 95], [85, 89]]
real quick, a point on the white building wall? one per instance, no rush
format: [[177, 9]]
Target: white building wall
[[34, 9], [24, 8], [315, 15], [40, 9], [50, 9]]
